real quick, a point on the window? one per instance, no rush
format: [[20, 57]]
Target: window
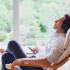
[[29, 19], [31, 27], [6, 26], [36, 17]]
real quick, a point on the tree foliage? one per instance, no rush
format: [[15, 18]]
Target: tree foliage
[[39, 15], [6, 15]]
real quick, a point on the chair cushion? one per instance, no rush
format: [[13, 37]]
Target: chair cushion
[[66, 47]]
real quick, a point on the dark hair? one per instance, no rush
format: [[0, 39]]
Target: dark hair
[[66, 23]]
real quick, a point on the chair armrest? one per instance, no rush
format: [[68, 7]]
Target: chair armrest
[[30, 62], [37, 63]]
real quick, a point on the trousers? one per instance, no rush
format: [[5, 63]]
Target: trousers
[[13, 52]]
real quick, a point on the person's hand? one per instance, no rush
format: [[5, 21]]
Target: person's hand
[[14, 65], [34, 50], [10, 66], [2, 50]]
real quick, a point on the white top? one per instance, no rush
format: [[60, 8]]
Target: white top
[[54, 48]]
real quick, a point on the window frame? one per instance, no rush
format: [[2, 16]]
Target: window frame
[[16, 20]]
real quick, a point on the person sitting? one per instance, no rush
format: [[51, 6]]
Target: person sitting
[[53, 52]]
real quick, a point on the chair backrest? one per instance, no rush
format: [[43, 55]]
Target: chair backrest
[[66, 52]]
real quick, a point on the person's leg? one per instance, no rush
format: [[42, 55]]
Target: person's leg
[[15, 48], [37, 68], [6, 59], [32, 68]]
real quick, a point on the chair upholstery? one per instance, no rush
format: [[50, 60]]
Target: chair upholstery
[[66, 54], [64, 57], [66, 47]]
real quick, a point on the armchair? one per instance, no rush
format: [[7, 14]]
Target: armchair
[[54, 66]]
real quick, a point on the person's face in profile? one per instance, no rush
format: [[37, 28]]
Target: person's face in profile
[[58, 24]]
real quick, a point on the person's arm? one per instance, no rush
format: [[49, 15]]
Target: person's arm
[[35, 62]]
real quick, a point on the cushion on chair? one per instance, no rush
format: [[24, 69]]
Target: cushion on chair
[[66, 47], [66, 52]]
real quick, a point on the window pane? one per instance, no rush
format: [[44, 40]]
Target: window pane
[[5, 21], [36, 17]]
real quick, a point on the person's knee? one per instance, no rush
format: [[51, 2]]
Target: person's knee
[[7, 58], [4, 57], [12, 42]]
